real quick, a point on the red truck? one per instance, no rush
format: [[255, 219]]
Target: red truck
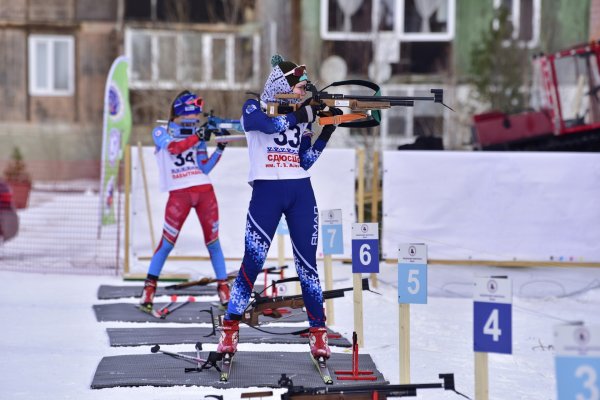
[[566, 117]]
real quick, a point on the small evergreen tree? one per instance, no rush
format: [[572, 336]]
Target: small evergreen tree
[[500, 67], [16, 170]]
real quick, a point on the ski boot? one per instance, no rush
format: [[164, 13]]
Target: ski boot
[[319, 346], [147, 299], [223, 292], [229, 337]]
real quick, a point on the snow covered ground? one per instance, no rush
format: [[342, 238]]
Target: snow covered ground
[[51, 342]]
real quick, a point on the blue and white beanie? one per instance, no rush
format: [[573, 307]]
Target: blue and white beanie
[[278, 82]]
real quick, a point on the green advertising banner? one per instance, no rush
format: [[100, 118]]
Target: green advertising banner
[[115, 135]]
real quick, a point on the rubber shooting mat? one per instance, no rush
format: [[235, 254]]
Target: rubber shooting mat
[[189, 314], [108, 292], [150, 336], [249, 369]]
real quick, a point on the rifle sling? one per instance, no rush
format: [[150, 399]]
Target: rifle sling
[[358, 82]]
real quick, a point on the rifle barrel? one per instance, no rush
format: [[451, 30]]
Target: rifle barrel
[[379, 98], [379, 388], [404, 103], [327, 294]]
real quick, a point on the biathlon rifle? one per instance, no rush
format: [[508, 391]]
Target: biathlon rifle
[[200, 282], [361, 392], [231, 276], [259, 304], [365, 111], [216, 124], [219, 128]]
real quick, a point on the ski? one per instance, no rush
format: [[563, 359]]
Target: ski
[[168, 311], [158, 313], [321, 364], [149, 311], [226, 363]]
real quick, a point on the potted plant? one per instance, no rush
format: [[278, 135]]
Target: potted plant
[[18, 179]]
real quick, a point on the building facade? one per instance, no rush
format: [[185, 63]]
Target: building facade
[[56, 54]]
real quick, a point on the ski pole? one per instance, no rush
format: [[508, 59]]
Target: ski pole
[[173, 301], [190, 299], [194, 360]]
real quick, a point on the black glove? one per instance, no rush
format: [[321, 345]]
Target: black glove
[[335, 111], [326, 132], [329, 129], [306, 113], [222, 145], [204, 133]]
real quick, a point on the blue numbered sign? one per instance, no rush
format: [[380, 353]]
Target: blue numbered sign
[[577, 361], [412, 273], [365, 247], [282, 228], [492, 315], [331, 228]]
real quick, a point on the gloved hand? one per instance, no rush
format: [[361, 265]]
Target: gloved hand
[[335, 111], [329, 129], [204, 133], [306, 113], [222, 145]]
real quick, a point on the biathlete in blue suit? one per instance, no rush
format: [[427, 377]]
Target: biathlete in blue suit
[[281, 152]]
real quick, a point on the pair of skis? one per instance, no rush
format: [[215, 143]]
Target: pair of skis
[[320, 363], [168, 308], [227, 362]]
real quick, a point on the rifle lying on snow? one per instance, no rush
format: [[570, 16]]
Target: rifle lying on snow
[[230, 277], [200, 282], [259, 304], [360, 392], [365, 110]]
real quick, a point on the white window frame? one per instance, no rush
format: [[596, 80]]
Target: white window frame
[[34, 88], [207, 81], [398, 31], [390, 140], [515, 18]]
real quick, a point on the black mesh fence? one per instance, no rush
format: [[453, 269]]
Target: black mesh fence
[[59, 232]]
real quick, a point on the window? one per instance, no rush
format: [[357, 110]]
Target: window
[[400, 125], [163, 59], [194, 11], [405, 20], [51, 65], [396, 33], [524, 15]]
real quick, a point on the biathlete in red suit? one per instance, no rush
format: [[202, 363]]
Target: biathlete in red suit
[[184, 165]]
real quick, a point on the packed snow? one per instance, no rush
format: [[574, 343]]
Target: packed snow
[[52, 343]]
